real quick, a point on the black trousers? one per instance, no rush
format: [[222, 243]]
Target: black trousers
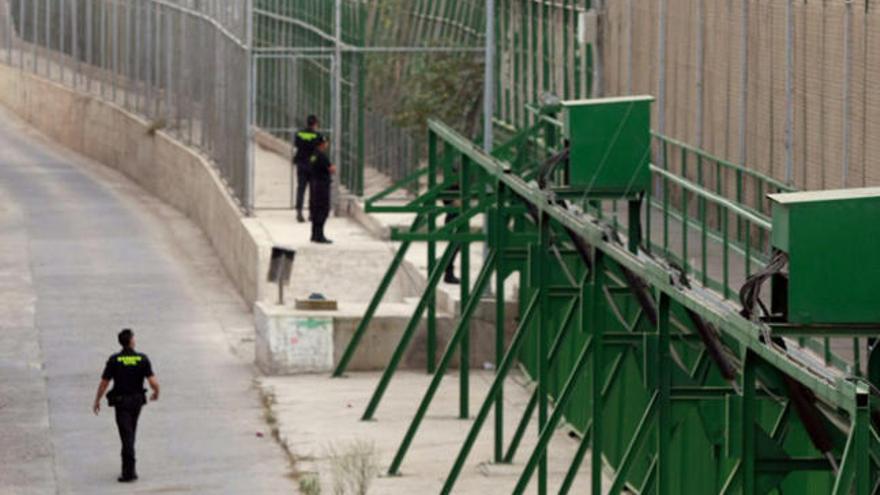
[[319, 207], [303, 178], [450, 268], [126, 422]]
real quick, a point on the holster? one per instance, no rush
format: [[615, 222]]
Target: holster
[[127, 401]]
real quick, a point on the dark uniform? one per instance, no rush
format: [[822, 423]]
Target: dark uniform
[[449, 276], [127, 369], [305, 142], [319, 199]]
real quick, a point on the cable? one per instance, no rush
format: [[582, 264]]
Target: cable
[[750, 293], [550, 165]]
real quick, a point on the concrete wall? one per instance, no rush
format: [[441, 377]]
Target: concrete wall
[[274, 348], [167, 169]]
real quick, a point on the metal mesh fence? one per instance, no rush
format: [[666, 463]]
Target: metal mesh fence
[[542, 48], [383, 44], [180, 64], [785, 87]]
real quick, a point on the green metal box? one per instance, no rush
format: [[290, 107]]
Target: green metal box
[[610, 143], [832, 239]]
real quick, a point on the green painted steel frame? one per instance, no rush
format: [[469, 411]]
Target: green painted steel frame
[[673, 382], [839, 394]]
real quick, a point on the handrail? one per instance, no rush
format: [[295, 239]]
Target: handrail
[[754, 218], [725, 163]]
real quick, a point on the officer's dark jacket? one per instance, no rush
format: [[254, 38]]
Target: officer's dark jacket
[[319, 167], [305, 141], [127, 369]]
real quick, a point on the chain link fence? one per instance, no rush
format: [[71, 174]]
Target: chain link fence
[[179, 64]]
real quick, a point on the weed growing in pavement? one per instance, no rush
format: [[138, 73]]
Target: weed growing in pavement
[[310, 484], [353, 467]]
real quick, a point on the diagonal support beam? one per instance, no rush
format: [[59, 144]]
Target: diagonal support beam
[[374, 303], [451, 348], [584, 445], [521, 428], [551, 359], [854, 475], [497, 383], [409, 331], [550, 428], [635, 445]]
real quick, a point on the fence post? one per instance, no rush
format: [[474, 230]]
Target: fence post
[[701, 29], [744, 89], [336, 96], [847, 78], [249, 200], [661, 76], [789, 93]]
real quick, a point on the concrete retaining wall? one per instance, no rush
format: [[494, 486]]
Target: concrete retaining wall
[[166, 168]]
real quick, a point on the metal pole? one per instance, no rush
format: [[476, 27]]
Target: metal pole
[[596, 322], [629, 55], [789, 93], [847, 77], [701, 29], [489, 95], [598, 86], [464, 286], [489, 79], [337, 99], [664, 373], [661, 77], [249, 113], [744, 81]]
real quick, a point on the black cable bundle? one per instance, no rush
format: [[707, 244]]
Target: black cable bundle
[[750, 293], [549, 166]]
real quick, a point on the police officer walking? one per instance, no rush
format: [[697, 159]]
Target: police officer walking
[[305, 142], [127, 369], [319, 198]]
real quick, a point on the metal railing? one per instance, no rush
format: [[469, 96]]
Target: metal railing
[[716, 206], [180, 64], [711, 217]]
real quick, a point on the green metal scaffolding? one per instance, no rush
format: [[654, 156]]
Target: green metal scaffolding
[[636, 346]]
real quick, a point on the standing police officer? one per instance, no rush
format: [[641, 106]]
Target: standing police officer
[[305, 142], [319, 199], [127, 369]]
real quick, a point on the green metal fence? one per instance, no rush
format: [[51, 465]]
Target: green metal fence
[[641, 350]]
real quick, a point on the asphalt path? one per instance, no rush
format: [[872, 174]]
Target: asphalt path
[[84, 252]]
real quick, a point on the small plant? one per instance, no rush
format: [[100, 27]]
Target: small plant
[[310, 484], [353, 467]]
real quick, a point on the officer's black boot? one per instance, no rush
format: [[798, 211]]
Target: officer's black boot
[[128, 471], [450, 277], [319, 236], [299, 216]]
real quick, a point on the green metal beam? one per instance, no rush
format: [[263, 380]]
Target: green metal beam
[[461, 329], [374, 304], [549, 428], [408, 333], [710, 308], [494, 389]]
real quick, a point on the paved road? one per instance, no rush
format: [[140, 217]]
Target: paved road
[[84, 252]]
